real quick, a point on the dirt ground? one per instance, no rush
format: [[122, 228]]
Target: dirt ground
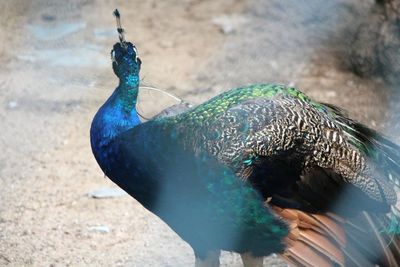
[[56, 72]]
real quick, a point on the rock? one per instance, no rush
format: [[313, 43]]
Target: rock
[[107, 193], [48, 17], [12, 104], [104, 229], [228, 24]]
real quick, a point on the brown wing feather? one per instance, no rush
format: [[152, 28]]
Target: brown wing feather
[[329, 240], [311, 242]]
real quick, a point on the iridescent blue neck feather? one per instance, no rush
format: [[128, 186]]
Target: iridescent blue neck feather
[[118, 114]]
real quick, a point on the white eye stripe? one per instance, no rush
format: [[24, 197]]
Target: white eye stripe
[[113, 56], [136, 54]]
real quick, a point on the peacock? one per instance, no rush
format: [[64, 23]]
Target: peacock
[[256, 170]]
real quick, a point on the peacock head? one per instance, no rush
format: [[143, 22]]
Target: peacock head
[[125, 61]]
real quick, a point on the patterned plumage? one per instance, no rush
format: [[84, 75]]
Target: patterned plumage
[[255, 170]]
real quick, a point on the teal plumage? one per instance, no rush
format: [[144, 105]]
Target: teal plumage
[[202, 200], [264, 121], [250, 169]]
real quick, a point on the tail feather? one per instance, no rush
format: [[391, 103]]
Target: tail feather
[[366, 235], [355, 258], [299, 254], [311, 242], [327, 240]]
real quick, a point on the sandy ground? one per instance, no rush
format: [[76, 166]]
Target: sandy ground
[[56, 72]]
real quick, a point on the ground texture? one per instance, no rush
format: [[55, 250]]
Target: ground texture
[[56, 72]]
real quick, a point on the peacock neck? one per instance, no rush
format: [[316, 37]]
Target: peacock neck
[[127, 92], [117, 115]]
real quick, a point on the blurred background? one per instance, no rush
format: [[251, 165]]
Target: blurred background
[[56, 72]]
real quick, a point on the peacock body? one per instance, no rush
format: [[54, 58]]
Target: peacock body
[[255, 170]]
